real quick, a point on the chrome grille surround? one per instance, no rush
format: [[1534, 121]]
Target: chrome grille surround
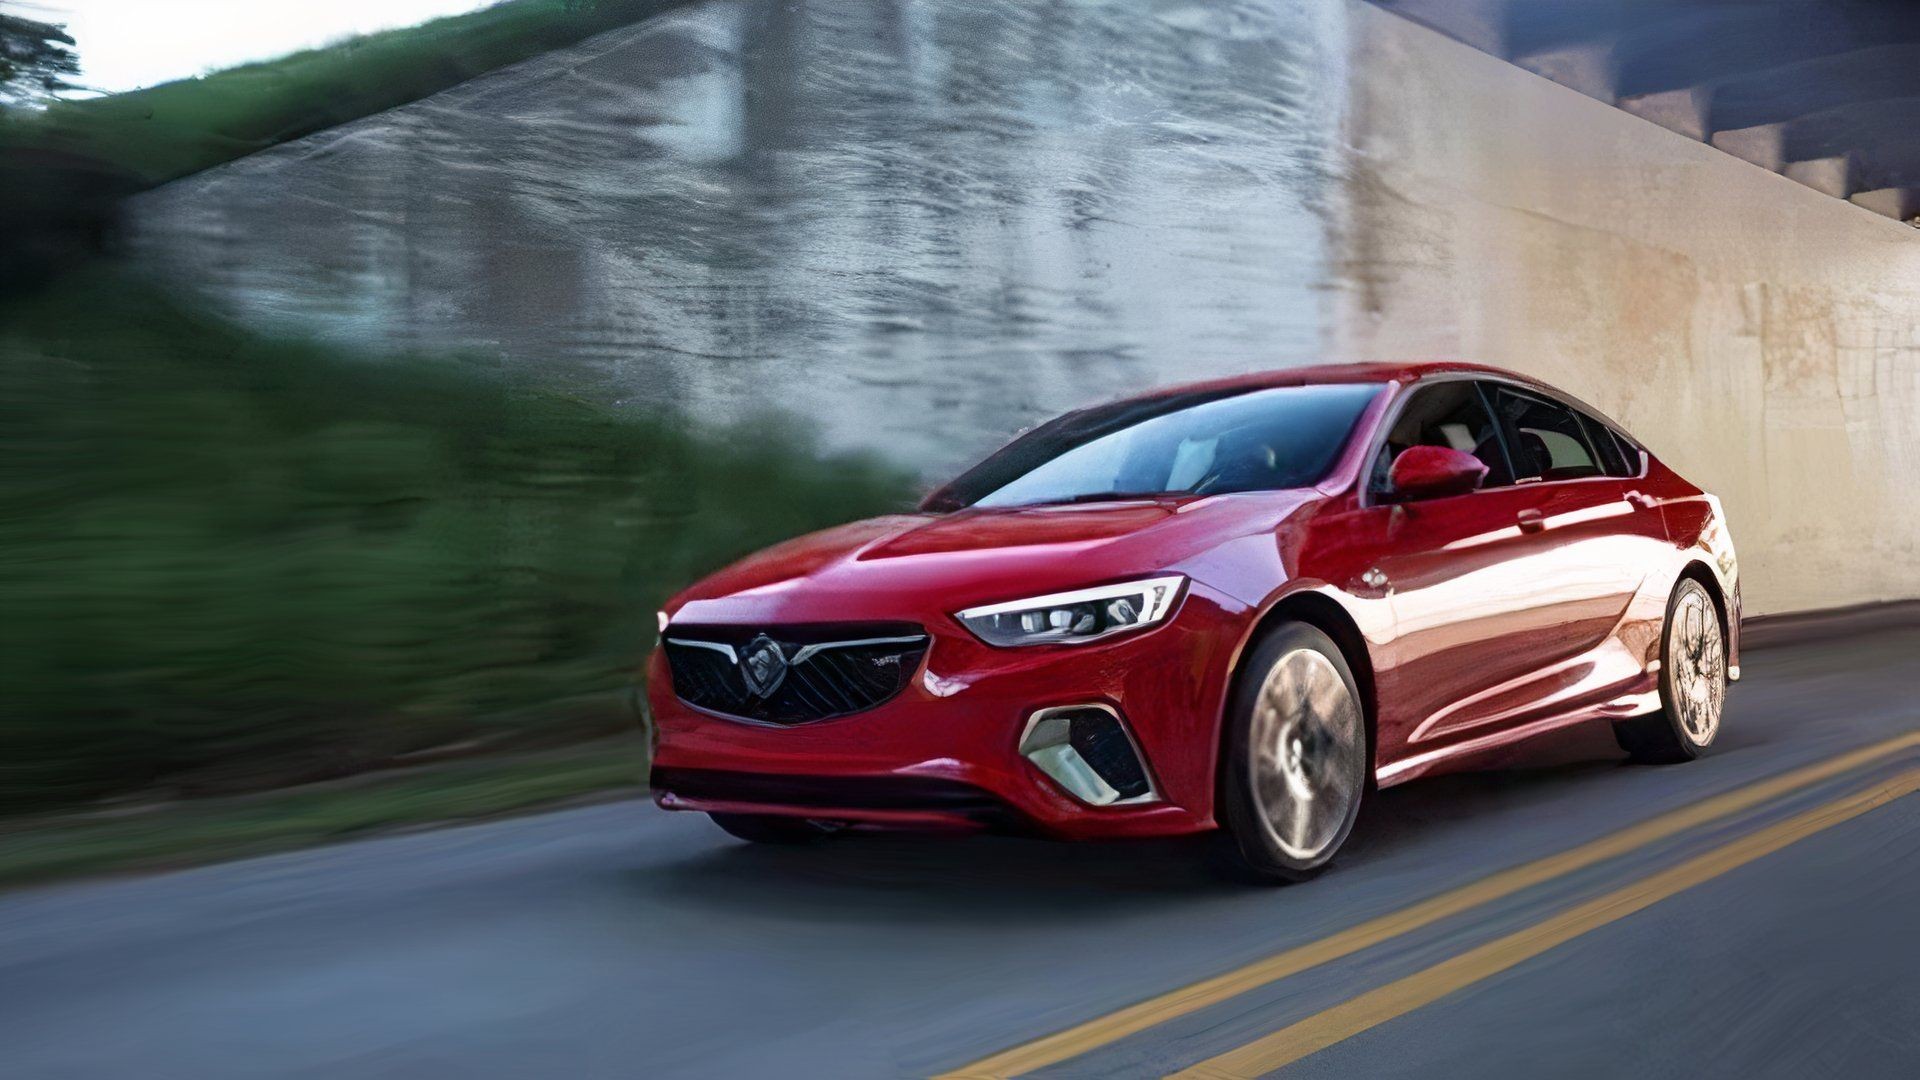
[[792, 675]]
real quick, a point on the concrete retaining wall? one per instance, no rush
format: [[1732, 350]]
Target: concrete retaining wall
[[920, 225], [924, 226]]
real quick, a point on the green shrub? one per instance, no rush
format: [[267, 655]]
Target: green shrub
[[229, 561]]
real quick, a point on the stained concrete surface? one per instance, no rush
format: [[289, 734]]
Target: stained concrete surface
[[918, 226]]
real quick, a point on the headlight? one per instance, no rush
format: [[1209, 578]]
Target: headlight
[[1073, 617]]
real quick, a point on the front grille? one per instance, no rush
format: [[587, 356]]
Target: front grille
[[815, 672]]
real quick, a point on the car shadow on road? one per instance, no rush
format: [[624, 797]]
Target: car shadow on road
[[993, 878], [936, 878], [1561, 789]]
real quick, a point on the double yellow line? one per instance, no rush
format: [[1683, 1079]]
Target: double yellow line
[[1375, 1007], [1324, 1029]]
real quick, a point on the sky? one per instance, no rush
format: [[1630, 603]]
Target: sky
[[124, 44]]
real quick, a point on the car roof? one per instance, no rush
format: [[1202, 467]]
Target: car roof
[[1382, 372], [1314, 374]]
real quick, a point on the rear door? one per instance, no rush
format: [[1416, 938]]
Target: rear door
[[1583, 553]]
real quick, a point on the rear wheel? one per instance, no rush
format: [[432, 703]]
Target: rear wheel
[[1295, 763], [769, 828], [1693, 683]]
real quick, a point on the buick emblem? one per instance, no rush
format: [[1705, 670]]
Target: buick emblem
[[763, 666]]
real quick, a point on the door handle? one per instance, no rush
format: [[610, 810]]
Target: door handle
[[1531, 521], [1644, 502]]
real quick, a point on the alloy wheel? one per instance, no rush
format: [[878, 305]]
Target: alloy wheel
[[1697, 656], [1308, 753]]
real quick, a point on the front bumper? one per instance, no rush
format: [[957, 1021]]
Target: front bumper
[[946, 752]]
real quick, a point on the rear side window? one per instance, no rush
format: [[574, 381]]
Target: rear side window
[[1628, 453], [1546, 440], [1616, 457]]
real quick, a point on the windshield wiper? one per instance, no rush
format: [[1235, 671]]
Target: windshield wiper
[[1112, 496], [1090, 497]]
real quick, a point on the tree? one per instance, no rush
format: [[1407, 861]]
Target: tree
[[35, 60]]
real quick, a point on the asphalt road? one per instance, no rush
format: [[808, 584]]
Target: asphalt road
[[622, 941]]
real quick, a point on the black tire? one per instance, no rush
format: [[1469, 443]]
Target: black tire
[[1313, 793], [1677, 732], [769, 828]]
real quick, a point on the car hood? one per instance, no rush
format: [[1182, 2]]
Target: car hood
[[902, 566]]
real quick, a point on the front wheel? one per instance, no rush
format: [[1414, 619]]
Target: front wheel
[[1295, 759], [1693, 683]]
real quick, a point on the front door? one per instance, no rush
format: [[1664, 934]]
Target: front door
[[1497, 592]]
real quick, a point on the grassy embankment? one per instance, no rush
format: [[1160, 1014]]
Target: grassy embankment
[[253, 584], [233, 564]]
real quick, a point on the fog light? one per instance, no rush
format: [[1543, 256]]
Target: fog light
[[1087, 750]]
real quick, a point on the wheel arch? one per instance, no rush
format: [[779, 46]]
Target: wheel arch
[[1699, 571], [1327, 615]]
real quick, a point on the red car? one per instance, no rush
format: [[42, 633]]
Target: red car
[[1238, 605]]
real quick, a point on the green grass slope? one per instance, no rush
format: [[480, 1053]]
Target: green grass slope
[[231, 562]]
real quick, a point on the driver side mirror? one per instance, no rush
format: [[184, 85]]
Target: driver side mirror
[[1430, 472]]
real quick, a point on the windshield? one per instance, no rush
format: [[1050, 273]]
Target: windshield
[[1198, 444]]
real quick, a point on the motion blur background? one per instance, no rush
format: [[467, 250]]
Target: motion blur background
[[362, 404]]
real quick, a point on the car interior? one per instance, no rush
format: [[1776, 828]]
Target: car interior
[[1548, 440]]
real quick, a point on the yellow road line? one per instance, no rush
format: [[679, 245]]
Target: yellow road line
[[1343, 1021], [1133, 1019]]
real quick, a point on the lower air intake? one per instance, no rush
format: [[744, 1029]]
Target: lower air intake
[[1088, 750]]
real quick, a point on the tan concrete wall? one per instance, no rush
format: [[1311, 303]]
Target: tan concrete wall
[[1762, 338]]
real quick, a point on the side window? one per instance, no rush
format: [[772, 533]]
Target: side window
[[1450, 414], [1616, 457], [1629, 453], [1547, 439]]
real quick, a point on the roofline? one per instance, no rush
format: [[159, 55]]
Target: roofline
[[1402, 372], [1383, 372]]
